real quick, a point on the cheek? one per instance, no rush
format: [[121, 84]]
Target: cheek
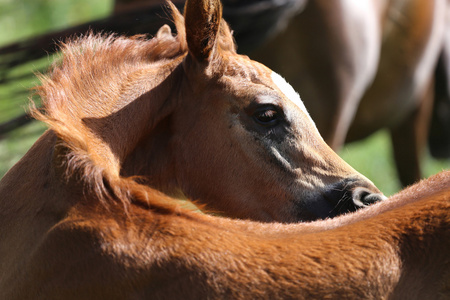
[[206, 146]]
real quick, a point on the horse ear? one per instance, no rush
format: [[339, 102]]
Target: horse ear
[[164, 32], [202, 20]]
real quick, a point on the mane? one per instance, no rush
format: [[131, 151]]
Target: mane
[[88, 82]]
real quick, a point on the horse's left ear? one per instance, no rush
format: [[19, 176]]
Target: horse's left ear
[[202, 21]]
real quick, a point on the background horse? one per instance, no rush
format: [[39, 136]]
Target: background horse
[[365, 65], [76, 222], [341, 54]]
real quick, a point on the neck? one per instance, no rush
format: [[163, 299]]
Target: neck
[[126, 129], [152, 161]]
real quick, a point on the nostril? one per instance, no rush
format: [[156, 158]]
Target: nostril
[[363, 197]]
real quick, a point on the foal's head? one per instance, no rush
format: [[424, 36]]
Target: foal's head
[[191, 117]]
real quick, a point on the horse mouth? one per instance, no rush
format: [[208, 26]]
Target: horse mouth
[[346, 196], [363, 197]]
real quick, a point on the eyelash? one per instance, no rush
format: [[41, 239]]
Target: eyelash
[[267, 115]]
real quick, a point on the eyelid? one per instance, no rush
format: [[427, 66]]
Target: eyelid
[[265, 108], [267, 99], [264, 101]]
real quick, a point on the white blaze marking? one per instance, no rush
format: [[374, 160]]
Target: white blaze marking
[[290, 93]]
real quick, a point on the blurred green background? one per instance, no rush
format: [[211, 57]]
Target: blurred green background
[[20, 19]]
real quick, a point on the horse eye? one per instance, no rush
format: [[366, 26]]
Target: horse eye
[[267, 116]]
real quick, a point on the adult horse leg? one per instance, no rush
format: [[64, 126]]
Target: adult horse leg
[[409, 139], [439, 134], [329, 52]]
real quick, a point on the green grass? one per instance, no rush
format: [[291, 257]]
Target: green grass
[[24, 18], [20, 19], [373, 158]]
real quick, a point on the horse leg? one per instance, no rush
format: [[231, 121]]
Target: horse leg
[[410, 136], [439, 134]]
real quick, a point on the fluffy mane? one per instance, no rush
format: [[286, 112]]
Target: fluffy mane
[[89, 83]]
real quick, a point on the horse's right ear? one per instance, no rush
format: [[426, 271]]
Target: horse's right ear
[[202, 21]]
